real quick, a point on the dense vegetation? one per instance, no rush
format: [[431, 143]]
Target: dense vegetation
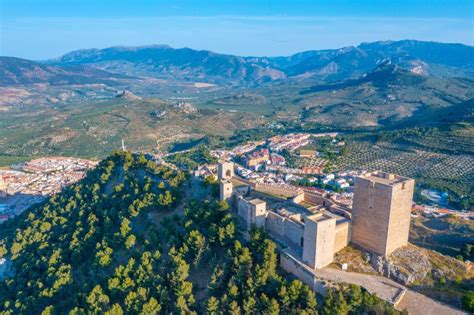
[[119, 241], [83, 249], [192, 159]]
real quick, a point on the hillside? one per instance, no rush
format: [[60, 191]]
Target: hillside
[[16, 71], [130, 239], [386, 96], [430, 58]]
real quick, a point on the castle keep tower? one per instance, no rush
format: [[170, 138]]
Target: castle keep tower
[[319, 239], [225, 170], [381, 212]]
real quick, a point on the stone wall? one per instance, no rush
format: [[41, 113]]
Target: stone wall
[[243, 210], [294, 231], [315, 199], [400, 215], [342, 237], [284, 228], [299, 198], [274, 224], [286, 191], [246, 181], [341, 211], [292, 265]]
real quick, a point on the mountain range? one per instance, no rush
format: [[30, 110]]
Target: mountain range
[[438, 59], [381, 83], [186, 64]]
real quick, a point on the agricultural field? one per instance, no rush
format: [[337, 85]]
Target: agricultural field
[[311, 162], [409, 162], [431, 166]]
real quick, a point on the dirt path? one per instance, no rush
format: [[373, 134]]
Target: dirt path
[[413, 302]]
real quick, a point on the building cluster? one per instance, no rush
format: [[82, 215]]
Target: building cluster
[[256, 158], [339, 180], [30, 182], [246, 148], [436, 212], [313, 226], [55, 164], [290, 142]]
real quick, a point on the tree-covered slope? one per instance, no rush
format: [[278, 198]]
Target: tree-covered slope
[[84, 243]]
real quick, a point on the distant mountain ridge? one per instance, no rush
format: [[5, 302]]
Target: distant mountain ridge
[[161, 61], [14, 71]]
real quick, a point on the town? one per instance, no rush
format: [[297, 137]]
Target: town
[[262, 162], [27, 183]]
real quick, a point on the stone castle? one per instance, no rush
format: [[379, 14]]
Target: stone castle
[[313, 227]]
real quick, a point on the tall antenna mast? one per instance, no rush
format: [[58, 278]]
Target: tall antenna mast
[[123, 145]]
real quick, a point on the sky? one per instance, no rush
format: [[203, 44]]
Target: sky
[[43, 29]]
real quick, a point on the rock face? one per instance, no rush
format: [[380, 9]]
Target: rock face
[[406, 265], [411, 264]]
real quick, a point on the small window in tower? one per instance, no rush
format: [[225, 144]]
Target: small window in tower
[[301, 241], [403, 186]]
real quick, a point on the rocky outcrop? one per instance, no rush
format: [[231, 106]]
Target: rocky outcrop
[[411, 264], [406, 265]]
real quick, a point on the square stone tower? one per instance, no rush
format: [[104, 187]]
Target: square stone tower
[[226, 190], [381, 212], [253, 211], [225, 170], [319, 238]]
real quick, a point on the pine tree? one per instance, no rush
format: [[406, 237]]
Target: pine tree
[[355, 297], [341, 307], [212, 306], [234, 308]]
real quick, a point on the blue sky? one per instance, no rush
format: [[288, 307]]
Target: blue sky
[[41, 29]]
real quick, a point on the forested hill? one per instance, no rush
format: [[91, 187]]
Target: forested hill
[[129, 239]]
